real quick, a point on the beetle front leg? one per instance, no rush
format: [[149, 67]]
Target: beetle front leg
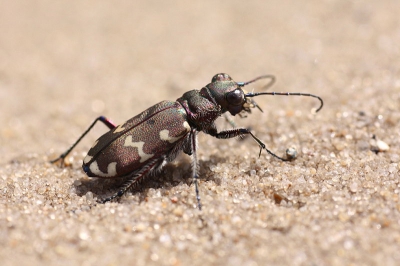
[[229, 120], [102, 119], [227, 134]]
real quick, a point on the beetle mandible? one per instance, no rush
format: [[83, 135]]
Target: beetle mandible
[[141, 146]]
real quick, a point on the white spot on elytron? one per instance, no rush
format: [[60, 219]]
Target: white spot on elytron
[[139, 145], [186, 125], [87, 159], [119, 129], [95, 143], [164, 134], [111, 169]]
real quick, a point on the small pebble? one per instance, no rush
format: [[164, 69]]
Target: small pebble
[[291, 153], [382, 146]]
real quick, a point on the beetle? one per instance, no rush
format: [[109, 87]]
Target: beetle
[[141, 146]]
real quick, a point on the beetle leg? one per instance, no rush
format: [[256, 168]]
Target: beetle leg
[[195, 174], [135, 177], [227, 134], [103, 119], [229, 120], [233, 124]]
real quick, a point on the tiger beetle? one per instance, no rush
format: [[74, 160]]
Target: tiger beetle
[[144, 144]]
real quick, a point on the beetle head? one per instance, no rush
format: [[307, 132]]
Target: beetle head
[[229, 94]]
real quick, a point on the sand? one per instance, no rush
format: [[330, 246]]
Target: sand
[[64, 63]]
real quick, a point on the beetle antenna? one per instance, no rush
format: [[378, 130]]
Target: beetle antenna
[[269, 84], [272, 81], [251, 94]]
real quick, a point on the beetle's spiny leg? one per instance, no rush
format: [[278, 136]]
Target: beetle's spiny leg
[[195, 174], [103, 119], [226, 134], [233, 124], [229, 120], [262, 146], [134, 178]]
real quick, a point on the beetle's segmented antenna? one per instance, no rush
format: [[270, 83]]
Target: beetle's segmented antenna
[[251, 94], [269, 84]]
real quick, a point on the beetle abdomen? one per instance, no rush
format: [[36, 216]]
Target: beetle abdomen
[[145, 137]]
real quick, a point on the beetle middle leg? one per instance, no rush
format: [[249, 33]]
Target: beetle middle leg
[[102, 119], [193, 155]]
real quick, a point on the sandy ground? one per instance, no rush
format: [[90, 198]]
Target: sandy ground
[[63, 63]]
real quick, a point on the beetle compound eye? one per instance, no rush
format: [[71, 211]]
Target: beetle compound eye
[[235, 97]]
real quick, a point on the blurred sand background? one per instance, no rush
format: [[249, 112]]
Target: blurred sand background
[[63, 63]]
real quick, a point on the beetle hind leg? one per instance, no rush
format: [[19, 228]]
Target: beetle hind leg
[[102, 119], [135, 177]]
